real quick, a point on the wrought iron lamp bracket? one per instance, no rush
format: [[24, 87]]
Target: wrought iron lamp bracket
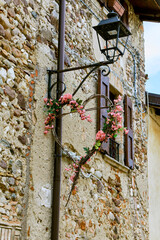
[[94, 66]]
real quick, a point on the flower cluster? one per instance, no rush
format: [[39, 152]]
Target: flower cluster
[[64, 99], [53, 108], [100, 136], [113, 123]]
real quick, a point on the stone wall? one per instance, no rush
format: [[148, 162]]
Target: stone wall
[[112, 204]]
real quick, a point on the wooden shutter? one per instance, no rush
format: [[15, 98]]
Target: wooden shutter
[[103, 88], [129, 150]]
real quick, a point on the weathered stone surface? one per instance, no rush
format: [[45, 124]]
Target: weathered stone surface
[[25, 2], [12, 59], [116, 209], [17, 113], [16, 52], [99, 187], [3, 164], [10, 73], [16, 2], [21, 101], [6, 46], [15, 32], [11, 181], [111, 216], [67, 60], [34, 14], [11, 93], [47, 35], [2, 3], [8, 1], [22, 139], [3, 73], [4, 21], [26, 125], [117, 219], [2, 31], [11, 12], [31, 3], [117, 202], [8, 34], [4, 53]]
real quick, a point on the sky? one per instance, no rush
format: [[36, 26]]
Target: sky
[[152, 56]]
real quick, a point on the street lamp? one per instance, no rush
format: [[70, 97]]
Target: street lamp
[[111, 30]]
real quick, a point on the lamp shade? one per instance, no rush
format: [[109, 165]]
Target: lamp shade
[[111, 29]]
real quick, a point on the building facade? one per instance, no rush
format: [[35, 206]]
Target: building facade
[[111, 200], [153, 163]]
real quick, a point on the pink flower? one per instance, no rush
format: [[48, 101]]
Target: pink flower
[[45, 132], [119, 126], [126, 131], [64, 99], [45, 100], [100, 135], [119, 98], [68, 169], [119, 108], [72, 177]]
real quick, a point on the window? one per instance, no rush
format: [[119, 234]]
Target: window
[[112, 147]]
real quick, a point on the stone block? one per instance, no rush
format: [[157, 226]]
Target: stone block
[[2, 31], [21, 101], [22, 139], [3, 73], [11, 93], [11, 12], [16, 2], [6, 46], [8, 1], [8, 34], [10, 73], [3, 164], [17, 113], [4, 22], [16, 53], [2, 3], [26, 125]]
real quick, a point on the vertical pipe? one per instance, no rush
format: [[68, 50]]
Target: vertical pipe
[[58, 151]]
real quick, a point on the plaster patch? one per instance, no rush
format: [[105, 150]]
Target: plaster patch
[[45, 196]]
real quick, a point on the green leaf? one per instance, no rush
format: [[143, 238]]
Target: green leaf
[[73, 110], [115, 135], [86, 150], [98, 143], [79, 101]]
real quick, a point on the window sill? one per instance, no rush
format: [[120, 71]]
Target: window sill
[[116, 164]]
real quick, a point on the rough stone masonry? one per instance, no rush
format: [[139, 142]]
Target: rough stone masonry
[[114, 203]]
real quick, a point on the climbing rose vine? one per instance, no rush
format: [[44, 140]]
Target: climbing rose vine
[[53, 108], [112, 126]]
